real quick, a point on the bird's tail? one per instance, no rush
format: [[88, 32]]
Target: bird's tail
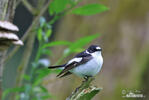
[[58, 66]]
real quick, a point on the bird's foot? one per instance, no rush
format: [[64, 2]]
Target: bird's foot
[[86, 77]]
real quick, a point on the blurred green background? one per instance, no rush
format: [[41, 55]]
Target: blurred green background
[[124, 37]]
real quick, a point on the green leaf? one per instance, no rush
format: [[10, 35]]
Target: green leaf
[[55, 43], [44, 89], [56, 71], [39, 34], [48, 33], [78, 50], [41, 74], [89, 9], [46, 97], [88, 93], [57, 6], [7, 91], [46, 51], [26, 77], [82, 42]]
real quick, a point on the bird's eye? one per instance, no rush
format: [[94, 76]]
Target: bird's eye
[[90, 51], [95, 49]]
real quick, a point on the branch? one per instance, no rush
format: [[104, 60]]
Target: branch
[[18, 2], [34, 23], [85, 91], [25, 60], [29, 7]]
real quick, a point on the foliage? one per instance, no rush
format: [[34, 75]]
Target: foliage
[[90, 9], [85, 91], [33, 88]]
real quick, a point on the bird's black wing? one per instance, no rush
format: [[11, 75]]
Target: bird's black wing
[[85, 58], [82, 54]]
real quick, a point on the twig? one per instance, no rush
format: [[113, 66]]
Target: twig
[[18, 2], [40, 3], [34, 23], [29, 7], [24, 62], [85, 91]]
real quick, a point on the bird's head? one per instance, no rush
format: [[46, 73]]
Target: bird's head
[[94, 48]]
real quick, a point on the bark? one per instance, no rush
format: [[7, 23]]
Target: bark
[[2, 54], [7, 9]]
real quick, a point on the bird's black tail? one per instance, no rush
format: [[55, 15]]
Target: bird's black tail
[[58, 66]]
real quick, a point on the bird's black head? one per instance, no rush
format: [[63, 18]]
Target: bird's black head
[[94, 48]]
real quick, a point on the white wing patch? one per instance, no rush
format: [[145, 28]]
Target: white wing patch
[[87, 52], [74, 59]]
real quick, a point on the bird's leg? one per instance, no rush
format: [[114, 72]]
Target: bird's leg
[[77, 89], [86, 77]]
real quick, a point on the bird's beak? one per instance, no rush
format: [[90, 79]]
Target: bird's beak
[[100, 49]]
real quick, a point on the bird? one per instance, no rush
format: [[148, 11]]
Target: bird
[[86, 64]]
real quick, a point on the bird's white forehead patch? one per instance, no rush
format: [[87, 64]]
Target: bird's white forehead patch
[[98, 48], [87, 52], [74, 60]]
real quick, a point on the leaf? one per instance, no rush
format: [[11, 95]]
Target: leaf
[[46, 51], [89, 9], [57, 6], [83, 41], [85, 91], [88, 93], [43, 89], [48, 33], [7, 91], [41, 74], [55, 43], [78, 50], [26, 77], [46, 97], [39, 34], [56, 71]]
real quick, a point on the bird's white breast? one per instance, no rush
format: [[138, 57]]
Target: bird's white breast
[[90, 68]]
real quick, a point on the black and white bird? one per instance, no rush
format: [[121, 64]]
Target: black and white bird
[[85, 64]]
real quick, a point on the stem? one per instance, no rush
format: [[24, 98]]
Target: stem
[[38, 52], [25, 60], [29, 7]]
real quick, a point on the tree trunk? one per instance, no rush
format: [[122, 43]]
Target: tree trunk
[[7, 9]]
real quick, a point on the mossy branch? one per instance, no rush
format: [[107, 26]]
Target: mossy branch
[[85, 91]]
